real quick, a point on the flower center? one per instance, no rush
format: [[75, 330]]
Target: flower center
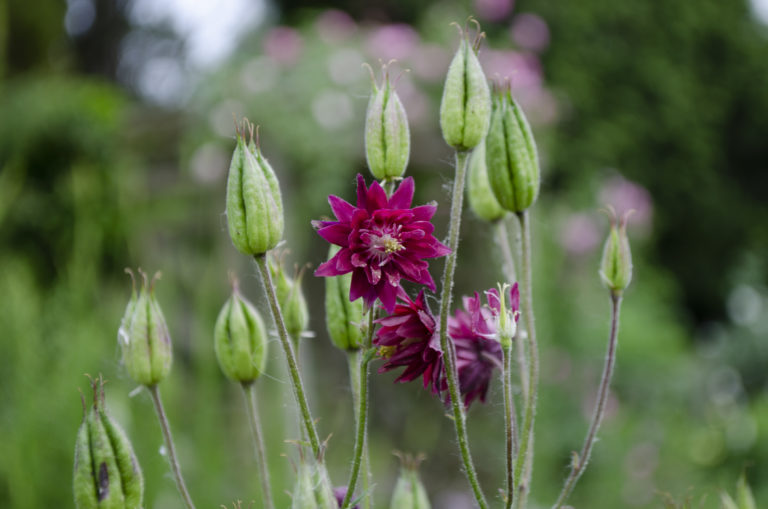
[[388, 244]]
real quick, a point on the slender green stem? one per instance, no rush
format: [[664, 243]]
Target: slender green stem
[[362, 414], [249, 393], [354, 358], [290, 355], [502, 240], [154, 391], [510, 421], [524, 464], [580, 463], [459, 415]]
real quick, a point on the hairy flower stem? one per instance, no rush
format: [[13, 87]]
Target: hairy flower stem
[[154, 391], [524, 464], [510, 420], [290, 355], [510, 274], [579, 463], [354, 359], [459, 414], [361, 414], [249, 393]]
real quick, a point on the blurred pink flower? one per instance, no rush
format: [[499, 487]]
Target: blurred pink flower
[[625, 195], [530, 31], [493, 10], [523, 69], [283, 45], [430, 62], [396, 41], [579, 233], [334, 26]]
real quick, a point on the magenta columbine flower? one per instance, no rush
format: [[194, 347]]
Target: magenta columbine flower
[[474, 331], [409, 338], [382, 241]]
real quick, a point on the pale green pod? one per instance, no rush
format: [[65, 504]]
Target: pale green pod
[[254, 204], [144, 338], [387, 135], [616, 264], [303, 495], [466, 104], [240, 340], [482, 201], [511, 156], [291, 299], [106, 472], [323, 489], [744, 495], [342, 317], [409, 492]]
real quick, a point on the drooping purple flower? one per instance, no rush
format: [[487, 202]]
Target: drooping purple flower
[[409, 338], [340, 492], [383, 240], [474, 332]]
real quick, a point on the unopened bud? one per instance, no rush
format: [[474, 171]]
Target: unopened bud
[[106, 473], [482, 201], [466, 105], [409, 491], [342, 316], [511, 156], [616, 265], [254, 203], [240, 339], [144, 336], [291, 299], [387, 137]]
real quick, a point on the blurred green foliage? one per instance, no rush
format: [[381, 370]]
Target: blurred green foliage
[[668, 93]]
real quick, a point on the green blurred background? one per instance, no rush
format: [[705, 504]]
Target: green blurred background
[[115, 134]]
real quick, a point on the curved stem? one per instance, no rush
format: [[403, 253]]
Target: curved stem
[[249, 393], [524, 464], [354, 358], [362, 414], [290, 355], [459, 415], [154, 391], [510, 424], [580, 463]]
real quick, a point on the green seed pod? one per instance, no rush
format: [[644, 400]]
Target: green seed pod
[[616, 265], [409, 491], [511, 157], [482, 201], [303, 495], [744, 494], [240, 339], [106, 472], [323, 489], [291, 299], [387, 137], [144, 336], [466, 105], [254, 203], [342, 317]]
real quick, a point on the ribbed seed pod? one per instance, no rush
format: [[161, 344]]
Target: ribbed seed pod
[[616, 264], [387, 136], [254, 203], [466, 105], [482, 201], [144, 337], [342, 317], [291, 299], [511, 157], [240, 339], [409, 491], [106, 472]]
